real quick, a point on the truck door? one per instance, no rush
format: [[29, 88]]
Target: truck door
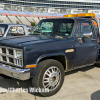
[[86, 48]]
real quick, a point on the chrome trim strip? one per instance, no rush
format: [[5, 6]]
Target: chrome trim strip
[[21, 74], [69, 50]]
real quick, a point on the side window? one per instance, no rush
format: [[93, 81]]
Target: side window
[[65, 29], [85, 27], [82, 27], [16, 31]]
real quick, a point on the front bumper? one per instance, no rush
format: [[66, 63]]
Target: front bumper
[[21, 74]]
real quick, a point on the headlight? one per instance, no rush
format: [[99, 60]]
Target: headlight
[[18, 53]]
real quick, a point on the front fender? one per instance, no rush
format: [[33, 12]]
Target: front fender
[[48, 55]]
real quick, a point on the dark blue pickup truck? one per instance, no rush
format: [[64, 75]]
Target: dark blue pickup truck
[[55, 46]]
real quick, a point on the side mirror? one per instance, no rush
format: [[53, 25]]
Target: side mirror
[[87, 34]]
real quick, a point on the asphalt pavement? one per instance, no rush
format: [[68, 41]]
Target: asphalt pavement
[[80, 84]]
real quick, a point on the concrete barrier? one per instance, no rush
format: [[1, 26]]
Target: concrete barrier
[[4, 19], [36, 20], [14, 19], [24, 20]]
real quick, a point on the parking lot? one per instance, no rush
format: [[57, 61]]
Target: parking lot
[[80, 84]]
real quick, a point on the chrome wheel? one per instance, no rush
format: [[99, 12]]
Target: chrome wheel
[[51, 78]]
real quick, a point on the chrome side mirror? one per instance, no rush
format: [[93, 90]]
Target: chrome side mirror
[[87, 34]]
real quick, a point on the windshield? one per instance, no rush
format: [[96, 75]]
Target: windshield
[[3, 29], [59, 27]]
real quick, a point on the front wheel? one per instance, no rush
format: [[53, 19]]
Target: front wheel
[[50, 75]]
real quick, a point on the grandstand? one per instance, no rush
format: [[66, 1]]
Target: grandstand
[[27, 11], [8, 16]]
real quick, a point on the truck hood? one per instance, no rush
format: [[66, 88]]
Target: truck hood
[[25, 40]]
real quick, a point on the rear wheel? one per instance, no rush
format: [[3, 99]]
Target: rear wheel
[[50, 75]]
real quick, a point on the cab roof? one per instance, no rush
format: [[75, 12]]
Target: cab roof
[[74, 18]]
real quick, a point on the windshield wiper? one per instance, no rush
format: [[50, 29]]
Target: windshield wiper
[[56, 36], [37, 31], [52, 33], [34, 34]]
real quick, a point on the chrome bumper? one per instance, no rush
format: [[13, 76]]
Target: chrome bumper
[[21, 74]]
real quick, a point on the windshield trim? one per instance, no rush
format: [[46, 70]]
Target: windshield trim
[[54, 20]]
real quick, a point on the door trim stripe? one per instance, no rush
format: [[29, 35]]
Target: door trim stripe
[[69, 50]]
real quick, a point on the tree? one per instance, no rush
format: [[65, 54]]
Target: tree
[[33, 24]]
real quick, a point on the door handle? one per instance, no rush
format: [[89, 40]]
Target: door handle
[[94, 39], [80, 40]]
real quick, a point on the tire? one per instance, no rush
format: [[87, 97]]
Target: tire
[[97, 64], [56, 69]]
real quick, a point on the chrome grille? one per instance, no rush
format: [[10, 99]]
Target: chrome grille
[[3, 58], [10, 52], [18, 62], [11, 60], [3, 50], [8, 55]]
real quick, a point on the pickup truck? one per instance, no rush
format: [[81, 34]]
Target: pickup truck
[[13, 30], [44, 56]]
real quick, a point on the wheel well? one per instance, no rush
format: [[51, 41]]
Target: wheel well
[[59, 58]]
